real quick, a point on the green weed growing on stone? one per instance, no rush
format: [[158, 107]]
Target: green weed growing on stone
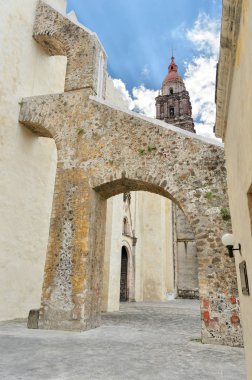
[[209, 195], [225, 213], [142, 151], [150, 148], [197, 340], [79, 131], [110, 162]]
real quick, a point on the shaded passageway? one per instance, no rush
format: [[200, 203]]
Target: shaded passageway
[[142, 341]]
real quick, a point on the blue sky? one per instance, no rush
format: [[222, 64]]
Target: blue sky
[[138, 36]]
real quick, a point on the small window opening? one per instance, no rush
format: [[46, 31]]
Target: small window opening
[[171, 90], [171, 111], [127, 197], [171, 67], [126, 229]]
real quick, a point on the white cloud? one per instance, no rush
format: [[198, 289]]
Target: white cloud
[[205, 34], [201, 72], [200, 82], [123, 93], [144, 100]]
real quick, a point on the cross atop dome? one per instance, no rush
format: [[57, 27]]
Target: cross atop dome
[[172, 66]]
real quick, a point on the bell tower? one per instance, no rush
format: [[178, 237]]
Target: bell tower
[[173, 105]]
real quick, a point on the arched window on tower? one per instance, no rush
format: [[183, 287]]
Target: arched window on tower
[[171, 111], [171, 90]]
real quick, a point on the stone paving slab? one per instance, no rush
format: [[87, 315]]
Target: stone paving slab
[[147, 341]]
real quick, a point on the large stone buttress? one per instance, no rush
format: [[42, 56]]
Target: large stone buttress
[[103, 151], [86, 58]]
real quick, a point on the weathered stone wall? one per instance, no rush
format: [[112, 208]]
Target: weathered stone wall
[[93, 165]]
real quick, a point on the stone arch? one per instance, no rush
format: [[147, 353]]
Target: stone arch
[[209, 248], [156, 158], [94, 164]]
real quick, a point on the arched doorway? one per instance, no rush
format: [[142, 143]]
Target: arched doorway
[[124, 293]]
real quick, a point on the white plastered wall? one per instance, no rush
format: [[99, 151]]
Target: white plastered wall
[[238, 150], [112, 257], [154, 251], [27, 163]]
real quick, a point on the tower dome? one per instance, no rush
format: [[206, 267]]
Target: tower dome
[[173, 82]]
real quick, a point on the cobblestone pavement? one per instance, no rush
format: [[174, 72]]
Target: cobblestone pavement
[[147, 341]]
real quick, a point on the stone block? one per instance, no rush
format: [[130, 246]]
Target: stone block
[[33, 319]]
